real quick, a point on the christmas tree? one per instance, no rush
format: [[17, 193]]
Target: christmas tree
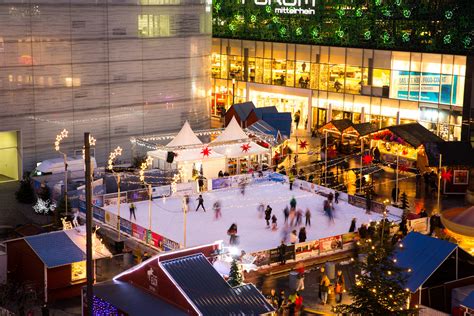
[[235, 277], [404, 200], [380, 289]]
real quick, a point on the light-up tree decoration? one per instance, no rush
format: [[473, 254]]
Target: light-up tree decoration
[[110, 165]]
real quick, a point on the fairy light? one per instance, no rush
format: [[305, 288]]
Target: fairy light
[[113, 155], [92, 142], [64, 134]]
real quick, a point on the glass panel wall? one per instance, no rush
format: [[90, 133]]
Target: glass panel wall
[[422, 87]]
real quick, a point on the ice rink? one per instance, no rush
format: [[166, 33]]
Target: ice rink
[[167, 216]]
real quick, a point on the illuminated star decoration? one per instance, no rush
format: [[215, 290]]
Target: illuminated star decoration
[[332, 153], [245, 147], [446, 175], [367, 159], [303, 144], [64, 133], [402, 168], [206, 152]]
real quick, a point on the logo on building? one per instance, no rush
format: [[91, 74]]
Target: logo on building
[[288, 6]]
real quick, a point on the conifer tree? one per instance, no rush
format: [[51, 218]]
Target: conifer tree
[[235, 276], [404, 200]]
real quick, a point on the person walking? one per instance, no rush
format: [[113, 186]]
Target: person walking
[[132, 211], [322, 273], [302, 234], [217, 210], [268, 215], [353, 225], [324, 289], [300, 277], [232, 232], [274, 222], [286, 213], [291, 179], [339, 286], [307, 216], [282, 252], [201, 183], [299, 217], [297, 118], [200, 200], [281, 301]]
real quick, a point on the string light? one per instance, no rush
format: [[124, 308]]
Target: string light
[[64, 134], [113, 155]]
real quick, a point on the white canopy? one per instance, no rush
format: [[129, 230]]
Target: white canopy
[[185, 137], [193, 154], [232, 132], [237, 149]]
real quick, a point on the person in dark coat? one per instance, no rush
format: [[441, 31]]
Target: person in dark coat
[[281, 253], [201, 183], [339, 286], [286, 213], [132, 211], [353, 225], [232, 232], [423, 213], [268, 215], [200, 203], [336, 197], [220, 174], [307, 216], [302, 234], [376, 155], [368, 203], [274, 222], [363, 231], [293, 203]]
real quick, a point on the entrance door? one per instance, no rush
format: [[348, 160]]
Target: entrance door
[[321, 118], [9, 164]]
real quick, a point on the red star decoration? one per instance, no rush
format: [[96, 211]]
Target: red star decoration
[[332, 153], [446, 175], [206, 152], [404, 152], [367, 159], [245, 147], [303, 144], [402, 168]]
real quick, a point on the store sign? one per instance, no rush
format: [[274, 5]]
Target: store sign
[[425, 86], [288, 6]]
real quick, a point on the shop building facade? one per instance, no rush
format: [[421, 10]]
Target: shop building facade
[[333, 72], [113, 68]]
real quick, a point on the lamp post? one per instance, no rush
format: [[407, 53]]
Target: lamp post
[[233, 91], [64, 134], [89, 263], [110, 165], [143, 167]]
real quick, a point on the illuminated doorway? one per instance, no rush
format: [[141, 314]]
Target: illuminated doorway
[[9, 162]]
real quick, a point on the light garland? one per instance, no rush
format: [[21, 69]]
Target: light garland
[[64, 134], [113, 155], [44, 207]]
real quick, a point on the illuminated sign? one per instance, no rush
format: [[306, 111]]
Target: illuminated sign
[[288, 6]]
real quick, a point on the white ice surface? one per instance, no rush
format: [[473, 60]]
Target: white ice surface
[[167, 216]]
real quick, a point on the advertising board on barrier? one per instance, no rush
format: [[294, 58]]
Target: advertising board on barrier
[[221, 183], [126, 226], [307, 249], [111, 219], [187, 188], [420, 225], [349, 238], [289, 254], [358, 201], [111, 199], [168, 244], [98, 213], [262, 258], [138, 232], [137, 195], [161, 191], [330, 243], [277, 177]]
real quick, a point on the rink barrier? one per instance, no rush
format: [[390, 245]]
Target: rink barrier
[[131, 229], [307, 250], [248, 178]]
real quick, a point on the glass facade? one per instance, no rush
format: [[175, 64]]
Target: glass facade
[[355, 83], [114, 68]]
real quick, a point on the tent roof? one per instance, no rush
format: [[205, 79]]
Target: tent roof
[[185, 137], [469, 301], [365, 128], [181, 155], [414, 134], [279, 121], [235, 150], [264, 110], [424, 255], [132, 300], [243, 109], [231, 133], [210, 293], [464, 153], [263, 127]]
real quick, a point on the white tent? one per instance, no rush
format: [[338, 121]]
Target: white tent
[[185, 137], [233, 132], [236, 150]]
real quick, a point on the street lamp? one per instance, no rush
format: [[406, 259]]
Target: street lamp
[[110, 165], [143, 167], [233, 91], [64, 134]]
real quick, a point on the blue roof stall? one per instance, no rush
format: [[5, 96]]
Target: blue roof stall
[[279, 121]]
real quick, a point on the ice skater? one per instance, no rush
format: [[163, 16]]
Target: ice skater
[[200, 203], [302, 234], [293, 202], [307, 216], [328, 210], [353, 225], [232, 232], [268, 215], [293, 237], [260, 209], [242, 185], [274, 223], [286, 213], [299, 217], [336, 197], [217, 210], [132, 211]]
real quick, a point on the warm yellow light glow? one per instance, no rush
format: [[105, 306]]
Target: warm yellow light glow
[[465, 242]]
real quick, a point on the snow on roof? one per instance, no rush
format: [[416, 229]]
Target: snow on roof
[[231, 133], [185, 137], [237, 149]]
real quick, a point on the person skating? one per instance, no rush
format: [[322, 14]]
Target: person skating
[[232, 232], [302, 234], [339, 283], [274, 222], [336, 197], [293, 237], [268, 215], [217, 210], [330, 198], [286, 213], [299, 217], [353, 225], [307, 216], [282, 252], [200, 200], [261, 209], [293, 202], [132, 211]]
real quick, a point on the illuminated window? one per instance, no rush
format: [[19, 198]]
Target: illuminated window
[[150, 25], [72, 82], [78, 271]]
